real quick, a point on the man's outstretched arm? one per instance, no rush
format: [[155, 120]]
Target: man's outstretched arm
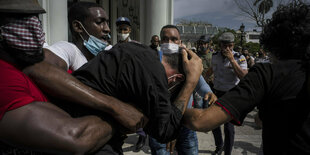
[[44, 127], [58, 83], [205, 119]]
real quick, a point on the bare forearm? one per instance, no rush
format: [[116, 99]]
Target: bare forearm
[[238, 70], [193, 69], [58, 83], [205, 119], [61, 134], [184, 96]]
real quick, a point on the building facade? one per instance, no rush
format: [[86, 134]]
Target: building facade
[[191, 33], [252, 36], [147, 17]]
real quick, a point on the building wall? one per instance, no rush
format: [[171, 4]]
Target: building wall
[[252, 36], [147, 17], [55, 24]]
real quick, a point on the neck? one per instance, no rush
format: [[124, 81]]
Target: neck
[[79, 44], [169, 70], [4, 55], [124, 41]]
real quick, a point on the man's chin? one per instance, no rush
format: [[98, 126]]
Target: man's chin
[[29, 59]]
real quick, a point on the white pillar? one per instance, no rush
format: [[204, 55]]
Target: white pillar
[[154, 14], [113, 18], [55, 21]]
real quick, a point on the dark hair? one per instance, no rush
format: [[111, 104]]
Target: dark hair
[[168, 26], [79, 11], [154, 36], [175, 61], [287, 34]]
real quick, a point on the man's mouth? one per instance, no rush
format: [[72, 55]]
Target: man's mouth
[[105, 37]]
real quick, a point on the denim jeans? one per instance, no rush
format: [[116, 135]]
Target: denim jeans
[[187, 144]]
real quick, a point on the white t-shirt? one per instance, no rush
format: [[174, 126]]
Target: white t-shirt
[[69, 53]]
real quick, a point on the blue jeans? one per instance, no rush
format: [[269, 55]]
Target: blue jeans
[[187, 144]]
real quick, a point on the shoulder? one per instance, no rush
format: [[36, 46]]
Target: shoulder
[[131, 50], [12, 79], [134, 41], [9, 72], [63, 46], [239, 57]]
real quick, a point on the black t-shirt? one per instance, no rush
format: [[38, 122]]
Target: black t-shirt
[[280, 94], [132, 73], [155, 50]]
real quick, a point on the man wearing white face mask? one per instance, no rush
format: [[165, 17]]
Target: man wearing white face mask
[[187, 142], [133, 75], [123, 30]]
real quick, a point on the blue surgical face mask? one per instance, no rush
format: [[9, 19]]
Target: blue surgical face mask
[[93, 44]]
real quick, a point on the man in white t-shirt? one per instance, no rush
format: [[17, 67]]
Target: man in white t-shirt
[[90, 32], [88, 24]]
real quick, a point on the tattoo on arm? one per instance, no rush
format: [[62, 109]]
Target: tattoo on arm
[[180, 105]]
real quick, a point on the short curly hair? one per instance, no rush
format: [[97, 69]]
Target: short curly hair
[[80, 11], [287, 34]]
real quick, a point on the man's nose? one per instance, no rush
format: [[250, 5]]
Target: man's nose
[[106, 28]]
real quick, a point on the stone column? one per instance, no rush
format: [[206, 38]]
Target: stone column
[[55, 21], [154, 14]]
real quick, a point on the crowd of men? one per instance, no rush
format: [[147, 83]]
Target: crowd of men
[[85, 96]]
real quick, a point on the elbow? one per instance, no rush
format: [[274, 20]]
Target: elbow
[[89, 137], [193, 122], [243, 74], [197, 126], [196, 119], [193, 125]]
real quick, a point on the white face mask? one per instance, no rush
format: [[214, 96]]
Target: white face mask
[[169, 48], [122, 36]]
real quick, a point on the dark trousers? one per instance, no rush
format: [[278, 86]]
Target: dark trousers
[[229, 131]]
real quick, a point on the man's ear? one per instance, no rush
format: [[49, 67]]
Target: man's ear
[[129, 29], [76, 25]]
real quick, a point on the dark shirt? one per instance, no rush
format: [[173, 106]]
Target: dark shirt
[[279, 92], [154, 48], [132, 73]]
